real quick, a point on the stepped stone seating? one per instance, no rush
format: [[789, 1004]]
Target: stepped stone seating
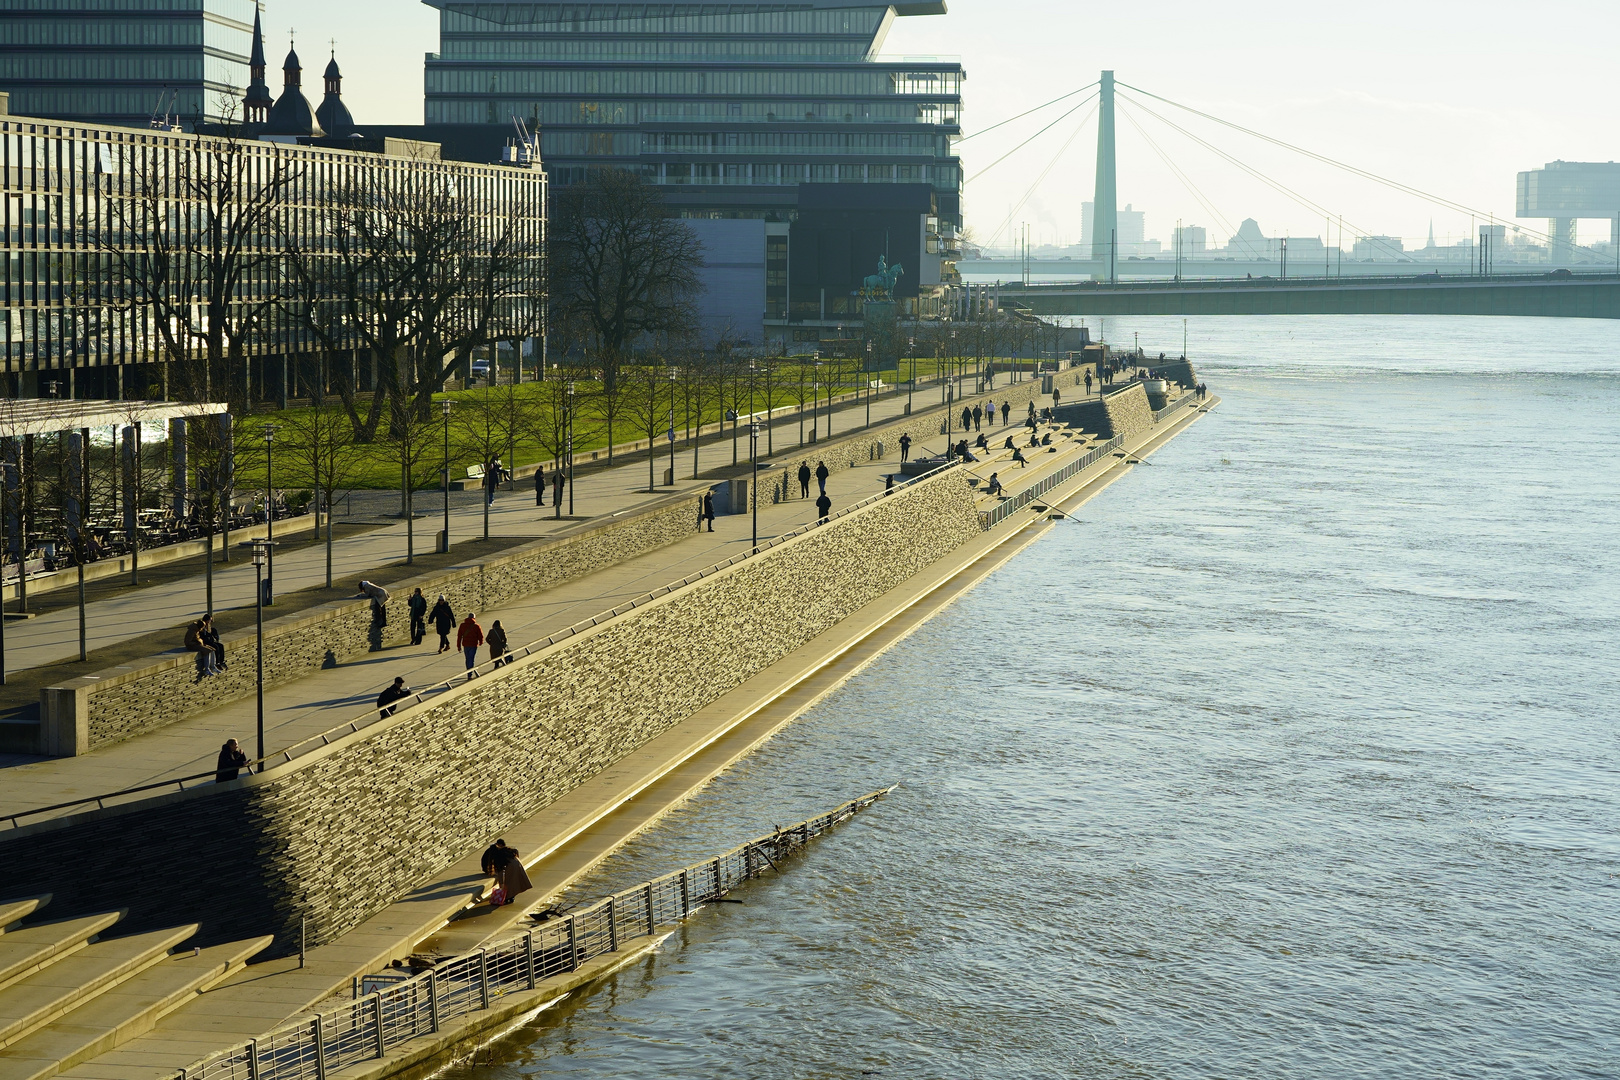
[[67, 995]]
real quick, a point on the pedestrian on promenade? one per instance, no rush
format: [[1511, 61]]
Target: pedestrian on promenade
[[706, 511], [1031, 414], [443, 618], [510, 878], [379, 602], [804, 472], [821, 476], [206, 664], [210, 637], [1088, 381], [1057, 396], [497, 644], [824, 506], [967, 418], [1006, 411], [557, 479], [905, 455], [978, 418], [492, 481], [418, 608], [540, 485], [391, 694], [468, 638], [231, 762], [995, 485]]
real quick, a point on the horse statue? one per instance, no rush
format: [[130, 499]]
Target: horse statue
[[880, 286]]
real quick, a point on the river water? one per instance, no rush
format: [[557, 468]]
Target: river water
[[1292, 754]]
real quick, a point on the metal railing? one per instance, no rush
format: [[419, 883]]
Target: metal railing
[[367, 1028], [1160, 414], [989, 519], [374, 714]]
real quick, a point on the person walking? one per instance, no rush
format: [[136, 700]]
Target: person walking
[[206, 663], [468, 638], [706, 511], [540, 485], [497, 644], [391, 694], [905, 455], [1057, 396], [1088, 380], [1006, 411], [804, 473], [231, 762], [443, 619], [967, 418], [821, 476], [823, 506], [492, 481], [978, 418], [417, 605]]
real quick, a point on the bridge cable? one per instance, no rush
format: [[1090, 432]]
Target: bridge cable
[[1276, 185], [1021, 115], [1042, 177], [1029, 140], [1180, 174], [1438, 200]]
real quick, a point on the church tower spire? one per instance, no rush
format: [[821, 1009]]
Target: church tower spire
[[256, 104]]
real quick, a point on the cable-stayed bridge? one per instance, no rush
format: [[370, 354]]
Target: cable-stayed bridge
[[1268, 285]]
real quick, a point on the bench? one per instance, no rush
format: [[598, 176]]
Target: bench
[[475, 472]]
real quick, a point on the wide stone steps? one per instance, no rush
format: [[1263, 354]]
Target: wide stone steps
[[125, 1012], [24, 952], [69, 981], [15, 911]]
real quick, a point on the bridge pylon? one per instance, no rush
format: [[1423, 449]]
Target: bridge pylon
[[1105, 204]]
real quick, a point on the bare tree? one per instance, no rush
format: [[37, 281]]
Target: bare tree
[[488, 423], [623, 268], [651, 401], [557, 420], [320, 443], [189, 237]]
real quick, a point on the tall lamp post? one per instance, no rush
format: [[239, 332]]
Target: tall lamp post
[[444, 538], [674, 378], [866, 377], [911, 385], [570, 448], [261, 565], [753, 486], [267, 588], [815, 399]]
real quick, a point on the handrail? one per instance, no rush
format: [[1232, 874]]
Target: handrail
[[373, 714], [365, 1029], [989, 519], [1160, 414]]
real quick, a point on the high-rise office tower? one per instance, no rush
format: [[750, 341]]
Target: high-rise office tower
[[125, 61]]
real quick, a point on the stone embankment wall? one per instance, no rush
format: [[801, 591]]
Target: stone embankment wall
[[119, 703], [336, 835], [1123, 412]]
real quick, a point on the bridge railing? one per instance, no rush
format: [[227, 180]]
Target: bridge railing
[[367, 1028], [1317, 280]]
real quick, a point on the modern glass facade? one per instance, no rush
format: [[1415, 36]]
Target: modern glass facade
[[77, 202], [122, 61], [706, 96]]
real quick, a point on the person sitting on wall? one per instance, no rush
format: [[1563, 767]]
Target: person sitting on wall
[[1046, 440], [981, 443], [1008, 445], [995, 485], [1018, 456]]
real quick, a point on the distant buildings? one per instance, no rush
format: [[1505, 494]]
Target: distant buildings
[[120, 62], [1563, 192]]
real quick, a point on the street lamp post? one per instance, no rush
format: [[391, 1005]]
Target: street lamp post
[[261, 565], [570, 448], [753, 487], [268, 587], [815, 399], [866, 377], [911, 385], [674, 378], [444, 540]]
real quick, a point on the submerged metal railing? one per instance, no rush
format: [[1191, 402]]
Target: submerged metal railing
[[366, 1029], [1160, 414], [1014, 503]]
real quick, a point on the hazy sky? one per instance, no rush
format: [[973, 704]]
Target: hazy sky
[[1453, 98]]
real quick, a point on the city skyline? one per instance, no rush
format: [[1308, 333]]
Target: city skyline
[[1372, 89]]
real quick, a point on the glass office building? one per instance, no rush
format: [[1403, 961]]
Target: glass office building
[[735, 110], [123, 61]]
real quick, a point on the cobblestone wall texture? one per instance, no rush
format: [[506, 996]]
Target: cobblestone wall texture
[[338, 835], [124, 702], [1128, 412]]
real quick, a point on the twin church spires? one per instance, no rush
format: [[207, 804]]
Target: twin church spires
[[291, 113]]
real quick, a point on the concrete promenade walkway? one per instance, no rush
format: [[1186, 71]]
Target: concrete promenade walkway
[[54, 637], [335, 696]]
